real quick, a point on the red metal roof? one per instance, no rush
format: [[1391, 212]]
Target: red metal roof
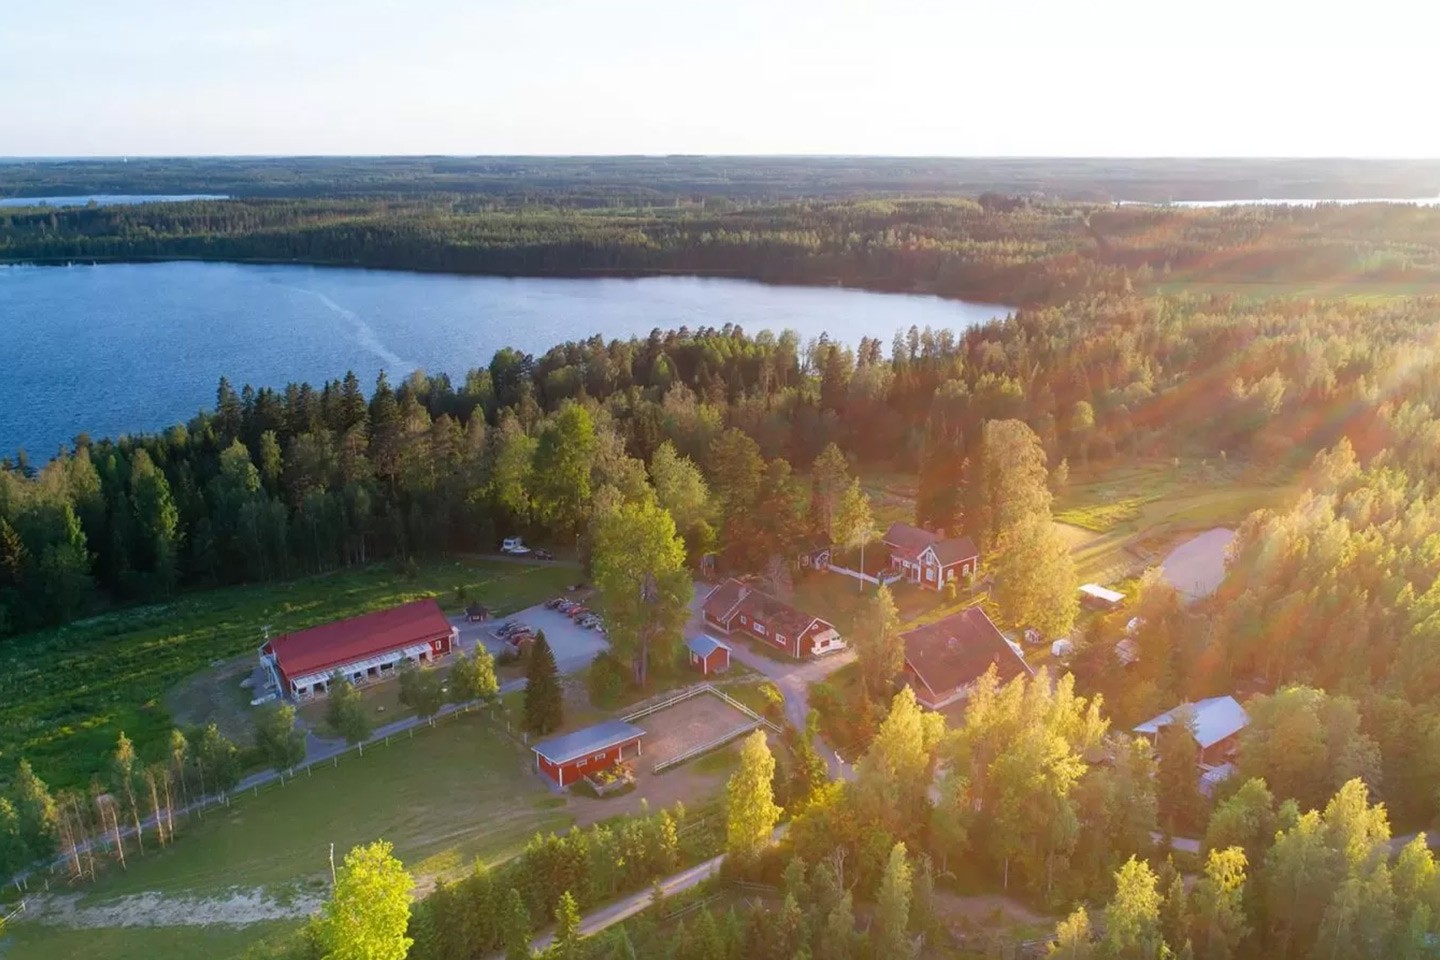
[[344, 641]]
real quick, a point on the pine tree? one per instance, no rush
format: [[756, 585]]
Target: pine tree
[[544, 700], [567, 929], [892, 907], [515, 927]]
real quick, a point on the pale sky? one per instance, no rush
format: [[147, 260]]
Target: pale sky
[[900, 77]]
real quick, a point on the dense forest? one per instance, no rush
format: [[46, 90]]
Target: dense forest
[[997, 248], [606, 181], [272, 483]]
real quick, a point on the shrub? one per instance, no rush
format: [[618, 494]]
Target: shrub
[[606, 680], [951, 594]]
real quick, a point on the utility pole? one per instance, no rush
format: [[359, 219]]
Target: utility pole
[[332, 866]]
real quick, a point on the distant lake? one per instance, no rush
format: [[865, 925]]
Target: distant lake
[[1283, 202], [106, 199], [123, 348]]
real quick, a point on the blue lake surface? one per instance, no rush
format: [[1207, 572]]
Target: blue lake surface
[[107, 199], [123, 348]]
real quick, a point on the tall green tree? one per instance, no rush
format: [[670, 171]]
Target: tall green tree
[[278, 739], [879, 647], [37, 818], [681, 489], [1218, 906], [124, 782], [345, 711], [829, 479], [473, 677], [1006, 484], [567, 943], [1035, 583], [368, 913], [852, 525], [750, 809], [515, 926], [1073, 938], [892, 907], [544, 700], [644, 588], [1132, 920], [422, 690], [893, 778], [560, 480], [1177, 784]]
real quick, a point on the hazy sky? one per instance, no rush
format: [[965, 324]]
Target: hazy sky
[[1077, 77]]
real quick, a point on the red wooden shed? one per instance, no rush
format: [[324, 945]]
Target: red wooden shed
[[570, 756], [707, 654]]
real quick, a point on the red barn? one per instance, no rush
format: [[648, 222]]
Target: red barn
[[568, 757], [735, 608], [707, 654], [361, 649]]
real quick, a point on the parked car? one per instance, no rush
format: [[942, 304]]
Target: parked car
[[477, 612], [544, 555], [510, 626], [556, 603], [578, 612], [515, 546]]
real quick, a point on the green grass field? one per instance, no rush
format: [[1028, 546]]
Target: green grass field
[[1121, 520], [65, 694], [444, 798], [142, 943]]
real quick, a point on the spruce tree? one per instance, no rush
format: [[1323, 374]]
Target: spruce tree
[[544, 704]]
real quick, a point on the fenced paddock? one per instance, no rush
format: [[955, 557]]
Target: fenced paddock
[[694, 721]]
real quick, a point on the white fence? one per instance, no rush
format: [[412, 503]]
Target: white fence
[[755, 721]]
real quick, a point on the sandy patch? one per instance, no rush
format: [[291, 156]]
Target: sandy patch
[[1197, 566], [239, 908]]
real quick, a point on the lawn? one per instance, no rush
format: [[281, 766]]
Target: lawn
[[65, 694], [838, 598], [444, 798], [1123, 519], [22, 941]]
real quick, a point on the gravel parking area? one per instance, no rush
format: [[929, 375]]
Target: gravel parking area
[[575, 647], [1197, 566]]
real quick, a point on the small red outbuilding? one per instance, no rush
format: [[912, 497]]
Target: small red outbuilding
[[570, 756], [707, 654]]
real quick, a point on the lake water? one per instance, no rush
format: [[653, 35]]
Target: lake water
[[116, 348], [107, 199], [1283, 202]]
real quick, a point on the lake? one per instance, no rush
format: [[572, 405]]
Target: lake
[[123, 348], [107, 199], [1281, 202]]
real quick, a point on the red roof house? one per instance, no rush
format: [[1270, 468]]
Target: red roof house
[[944, 659], [362, 649], [928, 559], [736, 608]]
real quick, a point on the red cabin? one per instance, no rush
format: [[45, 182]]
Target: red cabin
[[735, 608]]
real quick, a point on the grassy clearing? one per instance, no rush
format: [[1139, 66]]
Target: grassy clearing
[[65, 694], [1121, 520], [444, 797], [262, 941]]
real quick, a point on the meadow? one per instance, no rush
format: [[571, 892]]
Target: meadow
[[66, 693], [446, 797]]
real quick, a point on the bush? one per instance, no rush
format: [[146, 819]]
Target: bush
[[951, 594], [606, 680]]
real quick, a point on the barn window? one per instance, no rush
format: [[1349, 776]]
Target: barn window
[[743, 619], [780, 639], [760, 628], [950, 574], [930, 574]]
